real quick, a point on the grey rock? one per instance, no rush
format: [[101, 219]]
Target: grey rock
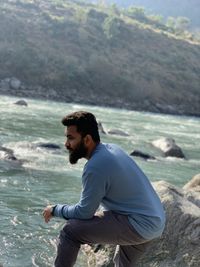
[[168, 147], [48, 145], [15, 83], [179, 244], [118, 132], [137, 153], [100, 127], [7, 154], [193, 184], [21, 103]]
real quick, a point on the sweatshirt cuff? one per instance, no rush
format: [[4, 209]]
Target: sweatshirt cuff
[[60, 211]]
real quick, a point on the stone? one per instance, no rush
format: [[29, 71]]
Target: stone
[[48, 145], [21, 103], [14, 83], [118, 132], [168, 147], [137, 153], [193, 184], [100, 127], [7, 154], [179, 244]]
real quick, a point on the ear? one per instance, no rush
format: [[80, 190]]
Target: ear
[[88, 140]]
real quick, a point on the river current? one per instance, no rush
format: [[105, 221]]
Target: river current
[[43, 176]]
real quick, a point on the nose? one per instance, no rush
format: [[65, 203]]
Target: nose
[[67, 144]]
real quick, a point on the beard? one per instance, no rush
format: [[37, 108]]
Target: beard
[[79, 152]]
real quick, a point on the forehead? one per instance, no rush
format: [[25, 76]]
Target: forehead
[[71, 131]]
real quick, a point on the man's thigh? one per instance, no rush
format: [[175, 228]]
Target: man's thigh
[[104, 228]]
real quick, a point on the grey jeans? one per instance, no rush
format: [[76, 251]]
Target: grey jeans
[[104, 228]]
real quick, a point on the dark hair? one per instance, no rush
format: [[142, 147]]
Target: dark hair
[[85, 122]]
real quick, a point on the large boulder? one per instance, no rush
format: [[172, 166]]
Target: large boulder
[[168, 147], [193, 184], [179, 244]]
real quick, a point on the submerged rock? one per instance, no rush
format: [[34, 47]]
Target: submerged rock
[[137, 153], [179, 244], [7, 154], [118, 132], [48, 145], [21, 103]]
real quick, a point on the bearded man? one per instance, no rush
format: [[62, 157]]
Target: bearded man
[[132, 213]]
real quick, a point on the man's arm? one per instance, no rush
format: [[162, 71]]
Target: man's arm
[[94, 189]]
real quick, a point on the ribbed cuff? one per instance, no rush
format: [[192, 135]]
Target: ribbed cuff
[[60, 210], [53, 209]]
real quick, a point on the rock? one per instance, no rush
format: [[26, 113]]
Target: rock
[[168, 147], [37, 146], [118, 132], [179, 244], [21, 103], [14, 83], [193, 197], [100, 127], [193, 184], [48, 145], [7, 154], [137, 153]]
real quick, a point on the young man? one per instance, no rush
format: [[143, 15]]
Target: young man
[[133, 214]]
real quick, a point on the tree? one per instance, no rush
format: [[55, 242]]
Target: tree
[[136, 12], [182, 23], [111, 27]]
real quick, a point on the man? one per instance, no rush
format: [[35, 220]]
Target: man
[[132, 215]]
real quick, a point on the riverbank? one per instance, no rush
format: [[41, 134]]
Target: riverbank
[[89, 54], [14, 87]]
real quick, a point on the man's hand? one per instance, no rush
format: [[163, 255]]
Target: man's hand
[[47, 213]]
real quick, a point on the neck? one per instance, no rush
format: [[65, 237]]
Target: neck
[[91, 149]]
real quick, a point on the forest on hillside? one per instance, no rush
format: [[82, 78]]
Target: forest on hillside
[[106, 56], [189, 9]]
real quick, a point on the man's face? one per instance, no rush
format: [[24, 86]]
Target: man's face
[[75, 144]]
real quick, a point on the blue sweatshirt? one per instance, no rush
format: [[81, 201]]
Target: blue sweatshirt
[[113, 180]]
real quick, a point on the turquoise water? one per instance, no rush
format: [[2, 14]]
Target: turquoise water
[[46, 177]]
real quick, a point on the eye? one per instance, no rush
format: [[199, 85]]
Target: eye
[[70, 138]]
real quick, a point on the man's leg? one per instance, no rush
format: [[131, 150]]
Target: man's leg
[[103, 228], [128, 256]]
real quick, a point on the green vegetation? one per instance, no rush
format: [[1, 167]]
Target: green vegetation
[[104, 56]]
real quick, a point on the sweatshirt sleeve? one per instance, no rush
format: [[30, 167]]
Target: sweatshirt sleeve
[[94, 189]]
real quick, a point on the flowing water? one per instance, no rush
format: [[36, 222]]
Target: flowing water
[[43, 176]]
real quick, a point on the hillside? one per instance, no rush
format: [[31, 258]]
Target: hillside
[[82, 53]]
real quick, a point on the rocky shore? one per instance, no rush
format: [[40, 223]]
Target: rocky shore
[[179, 244], [14, 87]]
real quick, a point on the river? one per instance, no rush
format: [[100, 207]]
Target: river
[[44, 176]]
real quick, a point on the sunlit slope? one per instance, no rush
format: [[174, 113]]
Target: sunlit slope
[[99, 56]]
